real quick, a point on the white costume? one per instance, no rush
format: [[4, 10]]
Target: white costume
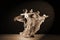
[[33, 24]]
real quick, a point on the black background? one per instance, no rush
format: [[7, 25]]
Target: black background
[[7, 10]]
